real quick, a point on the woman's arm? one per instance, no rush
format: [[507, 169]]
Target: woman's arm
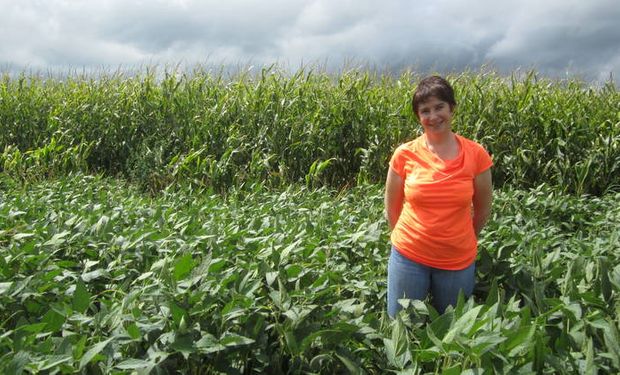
[[483, 197], [394, 195]]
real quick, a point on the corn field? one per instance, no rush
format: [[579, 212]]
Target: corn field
[[309, 127], [203, 224]]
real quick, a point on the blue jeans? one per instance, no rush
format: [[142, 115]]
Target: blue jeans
[[412, 280]]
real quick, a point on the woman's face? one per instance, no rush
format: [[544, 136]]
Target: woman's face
[[435, 115]]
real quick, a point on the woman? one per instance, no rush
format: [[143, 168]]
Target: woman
[[433, 184]]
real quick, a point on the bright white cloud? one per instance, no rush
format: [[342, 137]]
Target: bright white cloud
[[554, 36]]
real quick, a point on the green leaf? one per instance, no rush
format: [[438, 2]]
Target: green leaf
[[438, 328], [493, 294], [177, 312], [520, 340], [20, 285], [54, 321], [78, 348], [133, 331], [611, 337], [145, 276], [92, 275], [57, 239], [81, 297], [216, 265], [235, 340], [454, 370], [284, 254], [396, 355], [434, 339], [93, 351], [270, 277], [442, 324], [101, 223], [399, 337], [4, 287], [590, 367], [390, 351], [184, 344], [332, 336], [17, 364], [292, 271], [20, 236], [14, 214], [134, 364], [291, 342], [351, 305], [605, 283], [484, 343], [349, 363], [33, 328], [55, 360], [183, 266], [427, 355], [317, 362], [463, 324], [297, 313], [323, 165], [209, 344], [474, 371]]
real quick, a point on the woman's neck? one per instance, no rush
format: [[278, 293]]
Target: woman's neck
[[439, 140], [444, 146]]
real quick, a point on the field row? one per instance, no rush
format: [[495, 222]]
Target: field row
[[277, 128], [97, 277]]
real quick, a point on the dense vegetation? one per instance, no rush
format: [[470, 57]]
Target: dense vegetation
[[120, 254], [281, 128], [98, 277]]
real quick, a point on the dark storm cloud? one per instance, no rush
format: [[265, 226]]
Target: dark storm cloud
[[578, 37], [554, 37], [250, 25]]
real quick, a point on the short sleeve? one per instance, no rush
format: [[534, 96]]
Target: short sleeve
[[397, 162], [483, 160]]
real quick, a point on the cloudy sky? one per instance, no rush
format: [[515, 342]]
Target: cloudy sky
[[555, 37]]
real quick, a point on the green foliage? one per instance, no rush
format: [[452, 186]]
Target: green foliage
[[252, 258], [271, 127], [97, 278]]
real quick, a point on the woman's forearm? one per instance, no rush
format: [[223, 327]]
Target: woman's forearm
[[394, 195], [483, 197], [391, 215], [480, 219]]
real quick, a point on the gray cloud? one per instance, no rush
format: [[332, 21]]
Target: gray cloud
[[554, 37], [578, 37]]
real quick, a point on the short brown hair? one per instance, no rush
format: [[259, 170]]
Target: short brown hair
[[432, 86]]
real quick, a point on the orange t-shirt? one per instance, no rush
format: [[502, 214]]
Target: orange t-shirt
[[435, 227]]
